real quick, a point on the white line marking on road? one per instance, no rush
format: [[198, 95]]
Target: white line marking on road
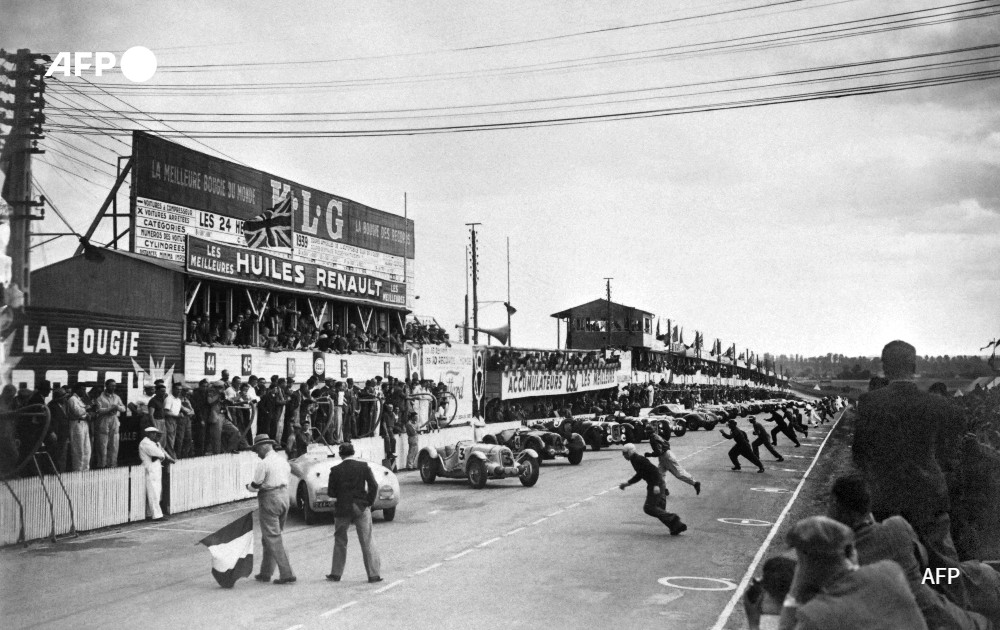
[[572, 505], [426, 569], [544, 518], [434, 511], [390, 585], [295, 627], [728, 610], [178, 529], [589, 499], [600, 493], [514, 531], [488, 542], [554, 513], [702, 449], [460, 554], [338, 609]]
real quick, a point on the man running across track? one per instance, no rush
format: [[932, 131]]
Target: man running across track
[[742, 447], [668, 462], [762, 440], [781, 427], [656, 489]]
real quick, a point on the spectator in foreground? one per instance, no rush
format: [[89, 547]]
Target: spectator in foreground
[[894, 539], [900, 437], [763, 598], [831, 592]]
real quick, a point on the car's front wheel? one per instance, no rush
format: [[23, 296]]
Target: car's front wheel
[[428, 468], [388, 514], [595, 442], [529, 474], [679, 430], [477, 473], [302, 501], [575, 456]]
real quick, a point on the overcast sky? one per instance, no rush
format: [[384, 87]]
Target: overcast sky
[[821, 226]]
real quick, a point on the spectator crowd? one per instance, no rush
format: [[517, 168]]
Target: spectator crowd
[[285, 328], [922, 503], [81, 430]]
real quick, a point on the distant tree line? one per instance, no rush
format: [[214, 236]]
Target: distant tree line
[[839, 366]]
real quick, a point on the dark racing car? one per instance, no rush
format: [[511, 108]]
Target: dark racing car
[[548, 444], [595, 430]]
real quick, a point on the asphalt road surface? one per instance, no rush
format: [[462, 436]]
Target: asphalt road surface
[[572, 551]]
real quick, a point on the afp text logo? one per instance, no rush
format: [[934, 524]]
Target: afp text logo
[[138, 63]]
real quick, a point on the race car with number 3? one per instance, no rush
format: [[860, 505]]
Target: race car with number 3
[[477, 462]]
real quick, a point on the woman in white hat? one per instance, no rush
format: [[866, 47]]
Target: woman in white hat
[[153, 456]]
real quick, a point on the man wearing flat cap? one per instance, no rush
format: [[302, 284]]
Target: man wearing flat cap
[[831, 592], [153, 457], [270, 482]]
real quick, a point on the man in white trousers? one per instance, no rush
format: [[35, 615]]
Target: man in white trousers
[[153, 457], [668, 462]]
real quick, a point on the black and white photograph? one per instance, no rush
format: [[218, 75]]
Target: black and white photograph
[[323, 315]]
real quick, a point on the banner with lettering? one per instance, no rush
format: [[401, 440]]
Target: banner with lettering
[[453, 367], [525, 383], [252, 266]]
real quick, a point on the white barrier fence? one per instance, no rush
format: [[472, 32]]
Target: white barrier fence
[[99, 497]]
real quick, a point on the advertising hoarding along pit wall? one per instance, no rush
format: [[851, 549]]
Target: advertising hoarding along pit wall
[[253, 266], [449, 365], [205, 362], [179, 192], [513, 384], [66, 347]]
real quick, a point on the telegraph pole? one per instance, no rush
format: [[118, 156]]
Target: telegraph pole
[[475, 284], [608, 328], [507, 305], [15, 158], [465, 331]]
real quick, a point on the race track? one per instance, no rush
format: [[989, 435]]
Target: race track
[[572, 551]]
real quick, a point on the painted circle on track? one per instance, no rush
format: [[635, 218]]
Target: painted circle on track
[[799, 456], [790, 469], [720, 585], [771, 490], [750, 522]]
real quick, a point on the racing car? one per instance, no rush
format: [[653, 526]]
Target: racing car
[[662, 420], [596, 430], [477, 462], [547, 444], [307, 488]]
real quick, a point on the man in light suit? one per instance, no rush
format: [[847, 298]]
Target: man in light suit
[[353, 486]]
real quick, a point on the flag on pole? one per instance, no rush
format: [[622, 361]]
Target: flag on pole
[[232, 551], [989, 345], [657, 328], [272, 228]]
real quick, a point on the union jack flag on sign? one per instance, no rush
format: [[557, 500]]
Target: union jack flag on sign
[[273, 228]]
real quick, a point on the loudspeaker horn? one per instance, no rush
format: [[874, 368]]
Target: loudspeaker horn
[[501, 333]]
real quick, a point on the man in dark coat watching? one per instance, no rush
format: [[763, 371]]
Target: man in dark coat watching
[[900, 439], [353, 486]]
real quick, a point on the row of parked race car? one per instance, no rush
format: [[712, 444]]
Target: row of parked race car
[[516, 452]]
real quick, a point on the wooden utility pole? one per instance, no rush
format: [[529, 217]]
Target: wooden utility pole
[[475, 284], [608, 328]]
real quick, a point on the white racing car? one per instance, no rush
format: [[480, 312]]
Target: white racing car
[[311, 474]]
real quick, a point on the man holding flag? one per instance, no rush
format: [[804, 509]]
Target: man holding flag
[[270, 482]]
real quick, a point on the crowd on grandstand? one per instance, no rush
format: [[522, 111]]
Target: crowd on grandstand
[[284, 328], [503, 360], [214, 417]]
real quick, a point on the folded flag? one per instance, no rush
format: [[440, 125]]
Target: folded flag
[[272, 228], [232, 551]]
